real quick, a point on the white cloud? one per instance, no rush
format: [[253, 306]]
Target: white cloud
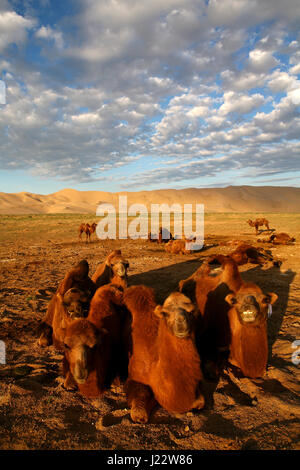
[[240, 103], [165, 80], [294, 95], [242, 81], [249, 12], [46, 32], [296, 69], [261, 60], [198, 111], [13, 28], [281, 82]]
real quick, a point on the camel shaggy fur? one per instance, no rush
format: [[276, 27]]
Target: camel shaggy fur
[[77, 277], [164, 365], [233, 317], [113, 269], [64, 309], [93, 346]]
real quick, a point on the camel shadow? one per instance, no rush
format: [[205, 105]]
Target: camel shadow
[[265, 230], [271, 279], [165, 280]]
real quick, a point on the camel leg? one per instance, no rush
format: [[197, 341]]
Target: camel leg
[[45, 338], [199, 403], [69, 383], [140, 399]]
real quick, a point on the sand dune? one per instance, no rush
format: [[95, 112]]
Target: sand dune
[[230, 199]]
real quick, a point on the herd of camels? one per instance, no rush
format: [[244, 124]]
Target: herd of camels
[[109, 330]]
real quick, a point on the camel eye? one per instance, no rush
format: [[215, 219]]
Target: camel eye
[[67, 346]]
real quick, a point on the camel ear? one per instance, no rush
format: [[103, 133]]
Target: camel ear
[[158, 311], [230, 299]]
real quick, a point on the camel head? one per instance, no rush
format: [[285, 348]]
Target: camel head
[[179, 314], [251, 305], [81, 341], [76, 302], [117, 264]]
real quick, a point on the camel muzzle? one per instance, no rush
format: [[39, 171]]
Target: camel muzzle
[[181, 325]]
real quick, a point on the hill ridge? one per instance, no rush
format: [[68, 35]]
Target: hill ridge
[[244, 198]]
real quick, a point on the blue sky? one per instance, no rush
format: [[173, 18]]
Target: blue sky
[[131, 95]]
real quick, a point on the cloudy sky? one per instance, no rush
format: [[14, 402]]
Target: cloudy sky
[[138, 94]]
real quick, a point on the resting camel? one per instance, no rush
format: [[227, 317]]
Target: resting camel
[[245, 253], [281, 238], [183, 247], [258, 223], [113, 269], [93, 346], [164, 365], [65, 309], [88, 229], [77, 277], [233, 317]]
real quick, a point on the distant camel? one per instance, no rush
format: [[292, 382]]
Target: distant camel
[[258, 223], [281, 238], [88, 229]]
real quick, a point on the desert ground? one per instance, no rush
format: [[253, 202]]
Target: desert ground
[[36, 412]]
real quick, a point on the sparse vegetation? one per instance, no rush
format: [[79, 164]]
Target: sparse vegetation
[[37, 413]]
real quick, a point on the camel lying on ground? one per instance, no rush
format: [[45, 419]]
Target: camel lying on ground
[[245, 253], [281, 238], [93, 346], [233, 318], [113, 269], [77, 277], [184, 247], [164, 364], [235, 313]]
